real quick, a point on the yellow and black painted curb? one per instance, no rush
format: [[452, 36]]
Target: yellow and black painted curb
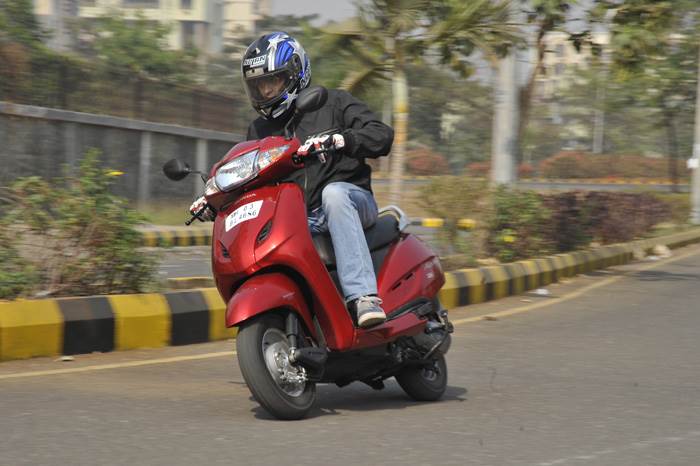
[[49, 327], [166, 237], [472, 286]]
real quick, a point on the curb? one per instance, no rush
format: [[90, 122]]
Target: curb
[[176, 236], [50, 327]]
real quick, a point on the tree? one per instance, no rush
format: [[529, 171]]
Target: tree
[[140, 46], [543, 16], [391, 34], [654, 45], [18, 23]]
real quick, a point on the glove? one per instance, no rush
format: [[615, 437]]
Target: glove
[[197, 205], [335, 141]]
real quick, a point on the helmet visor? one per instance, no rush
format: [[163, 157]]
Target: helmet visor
[[265, 89]]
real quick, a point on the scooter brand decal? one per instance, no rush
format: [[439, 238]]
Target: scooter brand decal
[[243, 213]]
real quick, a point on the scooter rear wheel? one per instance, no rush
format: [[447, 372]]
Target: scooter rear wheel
[[425, 383], [262, 347]]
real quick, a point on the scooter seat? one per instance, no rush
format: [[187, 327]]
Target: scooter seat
[[383, 232]]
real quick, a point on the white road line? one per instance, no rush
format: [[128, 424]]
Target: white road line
[[118, 365]]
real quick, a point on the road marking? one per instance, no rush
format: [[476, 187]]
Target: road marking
[[572, 295], [455, 322], [118, 365]]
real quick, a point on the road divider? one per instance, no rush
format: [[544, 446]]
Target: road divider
[[49, 327]]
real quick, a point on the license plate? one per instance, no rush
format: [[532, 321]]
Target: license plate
[[243, 213]]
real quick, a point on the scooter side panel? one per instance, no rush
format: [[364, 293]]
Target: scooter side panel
[[410, 271], [289, 244], [264, 292]]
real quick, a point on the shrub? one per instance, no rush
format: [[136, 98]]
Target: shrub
[[678, 205], [16, 275], [563, 165], [573, 164], [518, 225], [78, 237], [606, 217], [453, 198], [568, 225], [618, 217], [483, 170], [525, 170], [478, 169], [422, 161]]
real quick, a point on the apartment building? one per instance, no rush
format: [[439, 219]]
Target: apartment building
[[562, 61], [204, 24]]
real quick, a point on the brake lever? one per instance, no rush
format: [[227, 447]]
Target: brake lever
[[197, 215]]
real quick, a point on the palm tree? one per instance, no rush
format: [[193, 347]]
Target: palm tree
[[390, 34]]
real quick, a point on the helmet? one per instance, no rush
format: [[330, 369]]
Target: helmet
[[274, 68]]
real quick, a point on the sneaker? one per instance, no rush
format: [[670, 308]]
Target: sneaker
[[369, 312]]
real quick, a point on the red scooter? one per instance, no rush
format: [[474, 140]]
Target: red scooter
[[282, 289]]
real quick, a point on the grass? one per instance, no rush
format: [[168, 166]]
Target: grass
[[165, 213]]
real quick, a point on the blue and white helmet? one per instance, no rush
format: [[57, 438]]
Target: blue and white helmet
[[275, 68]]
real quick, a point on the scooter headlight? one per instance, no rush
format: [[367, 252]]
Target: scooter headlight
[[237, 172]]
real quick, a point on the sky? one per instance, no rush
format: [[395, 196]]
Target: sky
[[327, 10]]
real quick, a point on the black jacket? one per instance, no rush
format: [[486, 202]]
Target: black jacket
[[365, 136]]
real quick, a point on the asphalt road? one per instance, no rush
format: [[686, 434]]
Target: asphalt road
[[605, 370]]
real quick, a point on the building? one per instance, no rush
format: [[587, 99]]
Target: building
[[561, 62], [204, 24]]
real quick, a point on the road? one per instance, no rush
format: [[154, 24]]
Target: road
[[605, 370]]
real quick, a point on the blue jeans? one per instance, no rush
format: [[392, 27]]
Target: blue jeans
[[346, 210]]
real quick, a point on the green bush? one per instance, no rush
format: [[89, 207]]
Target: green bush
[[77, 237], [517, 224], [568, 223], [16, 274], [618, 217], [573, 164], [453, 198], [678, 204], [425, 162], [517, 228]]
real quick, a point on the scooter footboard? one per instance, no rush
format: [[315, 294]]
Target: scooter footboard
[[266, 292]]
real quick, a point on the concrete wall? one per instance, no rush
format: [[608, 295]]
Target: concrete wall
[[46, 142]]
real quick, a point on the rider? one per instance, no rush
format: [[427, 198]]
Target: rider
[[336, 186]]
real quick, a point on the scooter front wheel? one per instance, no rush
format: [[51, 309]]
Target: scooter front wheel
[[279, 386]]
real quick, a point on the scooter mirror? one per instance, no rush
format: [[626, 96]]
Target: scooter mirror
[[311, 98], [176, 169]]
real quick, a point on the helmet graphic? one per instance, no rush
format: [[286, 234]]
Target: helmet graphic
[[275, 68]]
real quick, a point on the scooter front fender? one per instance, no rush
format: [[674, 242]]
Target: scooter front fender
[[267, 292]]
